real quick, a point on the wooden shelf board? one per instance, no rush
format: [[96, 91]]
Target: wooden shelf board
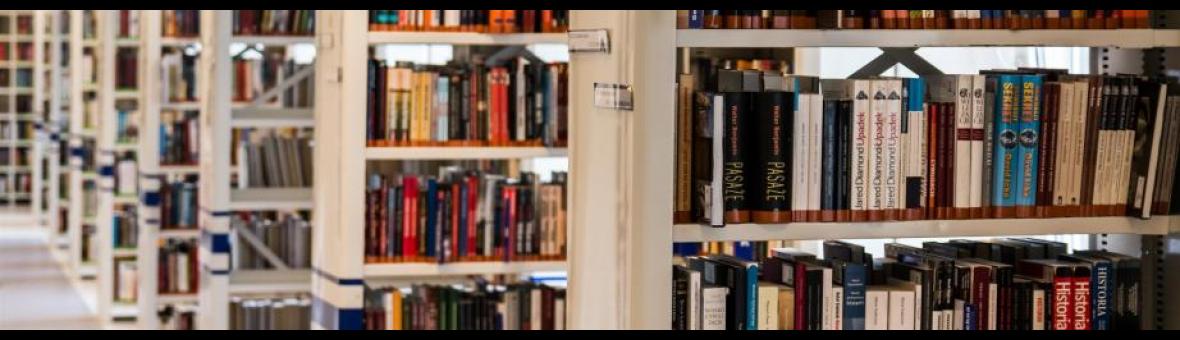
[[396, 270], [1127, 38], [444, 152], [465, 38]]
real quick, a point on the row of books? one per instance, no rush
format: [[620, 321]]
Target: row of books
[[253, 77], [464, 216], [181, 23], [1002, 284], [127, 68], [289, 313], [22, 130], [179, 137], [274, 159], [126, 175], [24, 77], [10, 156], [178, 268], [24, 51], [178, 317], [24, 102], [180, 76], [21, 183], [128, 23], [519, 101], [522, 306], [912, 19], [483, 21], [273, 22], [126, 275], [766, 147], [178, 203], [126, 126], [287, 236], [125, 224]]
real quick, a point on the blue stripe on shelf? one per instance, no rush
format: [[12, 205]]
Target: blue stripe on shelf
[[106, 171], [339, 281], [151, 199], [219, 272], [330, 317], [77, 151], [220, 243]]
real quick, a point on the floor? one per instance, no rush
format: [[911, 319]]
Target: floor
[[35, 290]]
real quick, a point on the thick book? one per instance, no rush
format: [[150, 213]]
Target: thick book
[[1148, 129], [737, 111], [1057, 276], [1006, 152], [770, 171]]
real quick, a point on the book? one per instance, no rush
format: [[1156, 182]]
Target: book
[[273, 22], [264, 241]]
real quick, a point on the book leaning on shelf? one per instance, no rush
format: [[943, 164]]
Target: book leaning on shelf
[[268, 158], [1007, 143], [286, 313], [517, 306], [482, 21], [273, 22], [518, 101], [912, 19], [178, 268], [1000, 284], [286, 236], [464, 216]]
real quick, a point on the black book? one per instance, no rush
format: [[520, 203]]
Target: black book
[[1127, 276], [977, 249], [770, 163], [849, 252], [736, 110]]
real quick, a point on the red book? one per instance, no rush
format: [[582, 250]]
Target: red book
[[472, 198], [980, 279], [547, 21], [801, 320], [410, 218], [501, 104], [510, 207], [932, 163], [1080, 308], [1062, 302], [454, 223]]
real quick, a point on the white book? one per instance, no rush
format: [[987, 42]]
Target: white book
[[828, 295], [963, 125], [800, 154], [948, 319], [1146, 186], [902, 315], [914, 153], [876, 137], [1081, 108], [861, 145], [387, 302], [535, 309], [978, 84], [973, 14], [715, 205], [959, 315], [1064, 142], [713, 307], [694, 299], [815, 154], [876, 309], [127, 177], [891, 197], [837, 308], [936, 320], [767, 306], [1038, 310], [1100, 166], [181, 266], [992, 306], [559, 314]]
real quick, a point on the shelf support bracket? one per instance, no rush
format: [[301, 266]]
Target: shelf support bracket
[[891, 56], [261, 248]]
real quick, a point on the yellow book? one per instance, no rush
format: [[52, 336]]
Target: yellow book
[[393, 319]]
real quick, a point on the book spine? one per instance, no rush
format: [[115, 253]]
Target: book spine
[[1080, 304], [854, 297], [1006, 152], [737, 110], [815, 155], [829, 176], [876, 154], [1062, 302], [860, 147], [962, 144], [800, 142], [891, 200], [1101, 295], [978, 109]]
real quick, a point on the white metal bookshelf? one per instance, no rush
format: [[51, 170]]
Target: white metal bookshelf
[[111, 100], [343, 42], [55, 127], [81, 130], [218, 199], [23, 121], [621, 277], [153, 175]]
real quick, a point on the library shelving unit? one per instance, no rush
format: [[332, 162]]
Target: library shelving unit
[[621, 278], [43, 84], [23, 65], [54, 130], [219, 199], [113, 103], [153, 170], [341, 272], [82, 178]]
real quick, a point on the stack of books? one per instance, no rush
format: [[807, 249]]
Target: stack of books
[[289, 313], [268, 158], [273, 22]]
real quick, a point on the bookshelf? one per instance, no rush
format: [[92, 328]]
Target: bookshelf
[[56, 128], [344, 42], [114, 101], [219, 198], [82, 133], [24, 65], [620, 278], [43, 83], [154, 173]]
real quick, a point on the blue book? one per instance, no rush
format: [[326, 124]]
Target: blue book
[[1028, 139], [854, 296], [686, 248], [752, 296], [1101, 289], [1005, 147], [431, 219], [969, 317], [743, 250], [696, 18], [828, 160], [463, 208]]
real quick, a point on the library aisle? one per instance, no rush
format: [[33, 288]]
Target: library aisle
[[35, 292]]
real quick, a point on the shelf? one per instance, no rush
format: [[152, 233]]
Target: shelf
[[444, 152], [270, 199], [273, 117], [17, 90], [465, 38], [123, 252], [22, 168], [269, 281], [180, 106], [123, 199], [396, 270], [176, 298], [89, 175], [179, 169], [178, 41], [931, 228], [124, 310], [15, 64], [17, 143], [273, 39], [179, 233], [126, 94], [121, 147], [87, 270], [126, 42], [1127, 38]]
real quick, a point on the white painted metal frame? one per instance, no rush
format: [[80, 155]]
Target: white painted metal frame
[[37, 168], [76, 142], [53, 127], [106, 27]]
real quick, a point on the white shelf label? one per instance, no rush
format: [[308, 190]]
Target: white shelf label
[[613, 96], [595, 40]]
